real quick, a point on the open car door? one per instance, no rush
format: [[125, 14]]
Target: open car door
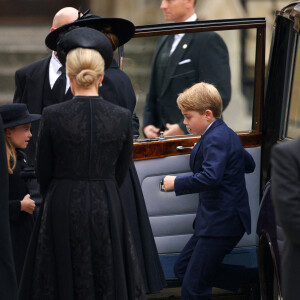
[[172, 217]]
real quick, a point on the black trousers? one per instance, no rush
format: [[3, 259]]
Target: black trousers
[[199, 262]]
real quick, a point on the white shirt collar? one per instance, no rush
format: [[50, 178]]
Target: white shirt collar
[[55, 63], [178, 37], [54, 72], [192, 18], [208, 127]]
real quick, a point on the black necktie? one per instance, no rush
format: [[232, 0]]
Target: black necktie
[[170, 41], [59, 88]]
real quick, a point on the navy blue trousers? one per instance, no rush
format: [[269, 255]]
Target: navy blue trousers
[[199, 262]]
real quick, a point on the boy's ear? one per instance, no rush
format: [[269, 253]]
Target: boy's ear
[[209, 114]]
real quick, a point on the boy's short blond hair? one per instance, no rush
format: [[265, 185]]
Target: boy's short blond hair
[[200, 97]]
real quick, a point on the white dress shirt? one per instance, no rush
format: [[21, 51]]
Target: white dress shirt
[[178, 37], [208, 127], [54, 72]]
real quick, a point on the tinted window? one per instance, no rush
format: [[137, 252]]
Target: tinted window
[[241, 46]]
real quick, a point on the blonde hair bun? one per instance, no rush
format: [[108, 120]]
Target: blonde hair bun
[[85, 65], [86, 77]]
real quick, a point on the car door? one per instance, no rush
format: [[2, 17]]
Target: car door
[[281, 123], [172, 217]]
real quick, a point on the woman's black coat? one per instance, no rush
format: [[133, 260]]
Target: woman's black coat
[[81, 247], [117, 89]]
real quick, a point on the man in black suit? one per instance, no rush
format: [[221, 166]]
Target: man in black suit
[[285, 191], [179, 62], [36, 83]]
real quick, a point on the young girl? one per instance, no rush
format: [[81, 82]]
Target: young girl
[[16, 123]]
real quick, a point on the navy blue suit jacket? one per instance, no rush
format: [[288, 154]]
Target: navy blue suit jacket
[[219, 163]]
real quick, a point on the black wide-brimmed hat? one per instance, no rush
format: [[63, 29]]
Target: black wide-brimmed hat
[[16, 114], [84, 37], [122, 28]]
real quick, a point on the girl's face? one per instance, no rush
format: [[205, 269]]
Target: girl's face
[[197, 123], [19, 136]]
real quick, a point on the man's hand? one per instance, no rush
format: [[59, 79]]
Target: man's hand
[[169, 183], [173, 129], [151, 131]]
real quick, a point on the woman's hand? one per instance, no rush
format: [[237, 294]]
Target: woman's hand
[[169, 183], [27, 204]]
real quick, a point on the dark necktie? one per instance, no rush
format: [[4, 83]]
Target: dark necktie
[[170, 41], [59, 88]]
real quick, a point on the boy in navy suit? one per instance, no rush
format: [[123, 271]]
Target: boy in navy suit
[[218, 162]]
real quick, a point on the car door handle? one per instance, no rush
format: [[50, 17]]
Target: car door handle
[[162, 187], [181, 148]]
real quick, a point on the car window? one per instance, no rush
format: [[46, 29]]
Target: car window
[[228, 62], [293, 126]]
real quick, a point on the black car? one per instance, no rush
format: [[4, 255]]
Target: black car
[[260, 113]]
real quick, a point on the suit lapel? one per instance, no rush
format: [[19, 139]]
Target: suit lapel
[[176, 57], [196, 148], [159, 46], [194, 153], [157, 51], [35, 86]]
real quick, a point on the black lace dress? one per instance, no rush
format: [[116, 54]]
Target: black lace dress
[[81, 246]]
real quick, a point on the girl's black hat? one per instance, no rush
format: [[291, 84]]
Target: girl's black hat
[[16, 114], [122, 28], [84, 37]]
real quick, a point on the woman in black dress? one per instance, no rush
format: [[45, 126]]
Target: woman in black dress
[[117, 89], [82, 247], [17, 123]]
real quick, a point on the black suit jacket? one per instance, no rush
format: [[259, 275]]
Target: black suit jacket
[[29, 89], [285, 191], [201, 56], [29, 82]]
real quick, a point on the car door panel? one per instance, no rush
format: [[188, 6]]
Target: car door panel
[[172, 216]]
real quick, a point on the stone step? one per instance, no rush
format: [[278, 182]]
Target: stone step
[[7, 82], [18, 59], [6, 97], [27, 38]]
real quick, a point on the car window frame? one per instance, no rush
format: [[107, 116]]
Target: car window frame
[[154, 148], [292, 50]]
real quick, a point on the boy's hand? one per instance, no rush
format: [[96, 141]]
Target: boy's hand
[[173, 129], [169, 183], [27, 204]]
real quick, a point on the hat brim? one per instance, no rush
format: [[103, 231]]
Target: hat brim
[[122, 28], [28, 119]]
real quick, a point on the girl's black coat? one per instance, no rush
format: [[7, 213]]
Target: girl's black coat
[[8, 283], [21, 223]]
